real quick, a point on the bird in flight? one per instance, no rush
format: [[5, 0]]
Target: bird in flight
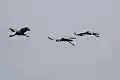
[[69, 40], [87, 33], [20, 32]]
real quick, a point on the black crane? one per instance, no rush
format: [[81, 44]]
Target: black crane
[[20, 32], [87, 33], [69, 40]]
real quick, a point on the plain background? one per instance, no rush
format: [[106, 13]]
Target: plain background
[[38, 58]]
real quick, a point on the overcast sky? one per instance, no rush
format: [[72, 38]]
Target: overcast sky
[[38, 58]]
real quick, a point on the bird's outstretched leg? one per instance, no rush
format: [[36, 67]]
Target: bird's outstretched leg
[[26, 35], [11, 35], [96, 34], [71, 43]]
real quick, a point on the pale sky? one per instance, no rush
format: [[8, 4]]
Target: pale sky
[[38, 58]]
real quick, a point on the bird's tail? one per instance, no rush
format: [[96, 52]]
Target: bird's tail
[[50, 38]]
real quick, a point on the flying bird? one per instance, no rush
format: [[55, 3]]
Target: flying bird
[[69, 40], [20, 32], [87, 33]]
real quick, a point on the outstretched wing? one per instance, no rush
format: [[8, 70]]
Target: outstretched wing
[[50, 38], [11, 35], [12, 29]]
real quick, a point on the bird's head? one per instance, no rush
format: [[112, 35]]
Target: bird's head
[[28, 29]]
